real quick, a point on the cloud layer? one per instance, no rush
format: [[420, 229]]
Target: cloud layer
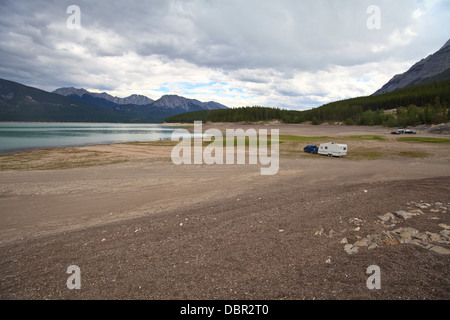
[[284, 53]]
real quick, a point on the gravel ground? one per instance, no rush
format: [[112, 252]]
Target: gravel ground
[[147, 229], [262, 246]]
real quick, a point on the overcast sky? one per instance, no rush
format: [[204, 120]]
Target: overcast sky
[[293, 54]]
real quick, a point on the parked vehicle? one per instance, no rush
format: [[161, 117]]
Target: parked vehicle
[[403, 131], [333, 149], [311, 148]]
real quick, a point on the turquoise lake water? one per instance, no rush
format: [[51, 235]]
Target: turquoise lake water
[[16, 136]]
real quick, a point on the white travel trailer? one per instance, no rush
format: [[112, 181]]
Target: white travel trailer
[[333, 149]]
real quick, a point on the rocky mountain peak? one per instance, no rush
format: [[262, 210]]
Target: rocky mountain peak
[[133, 99], [446, 44], [71, 91], [435, 67]]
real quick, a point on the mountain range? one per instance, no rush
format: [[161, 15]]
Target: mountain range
[[133, 99], [23, 103], [166, 102], [435, 67]]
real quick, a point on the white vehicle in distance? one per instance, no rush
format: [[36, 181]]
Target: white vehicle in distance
[[332, 149], [402, 131]]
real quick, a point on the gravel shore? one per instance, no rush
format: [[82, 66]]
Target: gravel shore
[[144, 228]]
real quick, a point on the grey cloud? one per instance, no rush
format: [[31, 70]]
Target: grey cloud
[[275, 39], [252, 79], [223, 34]]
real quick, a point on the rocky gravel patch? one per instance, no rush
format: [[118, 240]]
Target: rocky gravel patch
[[433, 241]]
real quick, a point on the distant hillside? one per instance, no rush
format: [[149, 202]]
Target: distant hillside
[[435, 67], [428, 103], [421, 104], [23, 103]]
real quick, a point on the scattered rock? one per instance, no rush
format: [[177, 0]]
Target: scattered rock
[[403, 214], [402, 235], [445, 235], [439, 250], [416, 212], [446, 227], [387, 217], [374, 238], [350, 249], [406, 234], [356, 221], [423, 205], [362, 243], [433, 237], [421, 237], [319, 232], [399, 236], [388, 238]]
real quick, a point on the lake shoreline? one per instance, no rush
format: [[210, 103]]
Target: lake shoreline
[[27, 136]]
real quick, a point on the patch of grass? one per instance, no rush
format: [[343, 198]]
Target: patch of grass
[[365, 137], [424, 139], [413, 154], [292, 146], [301, 138], [160, 143], [239, 142], [282, 138]]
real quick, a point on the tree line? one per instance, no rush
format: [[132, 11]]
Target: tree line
[[423, 104]]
